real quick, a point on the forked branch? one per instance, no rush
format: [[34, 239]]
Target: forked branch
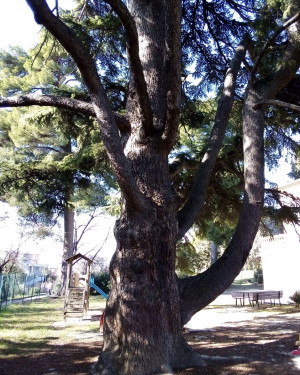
[[280, 103], [269, 42], [102, 107]]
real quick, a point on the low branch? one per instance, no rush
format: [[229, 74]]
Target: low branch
[[188, 214], [279, 103], [48, 100], [59, 102]]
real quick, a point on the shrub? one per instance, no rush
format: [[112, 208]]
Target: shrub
[[258, 276], [296, 298]]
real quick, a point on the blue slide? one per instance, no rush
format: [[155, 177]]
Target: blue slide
[[97, 289]]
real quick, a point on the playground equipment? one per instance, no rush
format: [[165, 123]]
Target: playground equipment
[[97, 289], [77, 288]]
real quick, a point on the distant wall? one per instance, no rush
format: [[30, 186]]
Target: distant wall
[[281, 264], [281, 254]]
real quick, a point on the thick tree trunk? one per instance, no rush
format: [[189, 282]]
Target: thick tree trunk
[[144, 315], [143, 330]]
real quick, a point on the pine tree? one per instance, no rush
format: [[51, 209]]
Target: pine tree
[[148, 304], [52, 160]]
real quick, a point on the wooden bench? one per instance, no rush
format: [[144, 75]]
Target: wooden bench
[[239, 296], [265, 295], [255, 297]]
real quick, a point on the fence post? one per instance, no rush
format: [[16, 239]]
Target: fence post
[[13, 288], [33, 284], [24, 287], [1, 290], [8, 289]]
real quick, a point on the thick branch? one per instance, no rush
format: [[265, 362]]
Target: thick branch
[[174, 71], [181, 162], [280, 103], [198, 291], [135, 65], [289, 65], [196, 198], [103, 110], [272, 39], [59, 102]]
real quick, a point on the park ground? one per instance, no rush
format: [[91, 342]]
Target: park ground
[[233, 340]]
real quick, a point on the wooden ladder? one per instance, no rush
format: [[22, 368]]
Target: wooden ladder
[[75, 303]]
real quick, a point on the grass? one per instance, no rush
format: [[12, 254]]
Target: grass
[[28, 327]]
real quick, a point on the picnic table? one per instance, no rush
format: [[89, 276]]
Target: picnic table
[[257, 296]]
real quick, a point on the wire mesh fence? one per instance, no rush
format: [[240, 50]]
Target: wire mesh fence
[[19, 287]]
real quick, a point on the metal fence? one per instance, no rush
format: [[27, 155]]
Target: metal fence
[[19, 287]]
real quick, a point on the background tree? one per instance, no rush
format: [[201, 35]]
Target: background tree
[[52, 160], [9, 261], [160, 44]]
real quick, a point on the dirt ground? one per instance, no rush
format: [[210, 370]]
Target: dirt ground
[[232, 340]]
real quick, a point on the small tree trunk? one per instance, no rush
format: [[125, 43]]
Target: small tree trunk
[[68, 245], [68, 249], [214, 252]]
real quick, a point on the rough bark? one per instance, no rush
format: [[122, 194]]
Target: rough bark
[[142, 331]]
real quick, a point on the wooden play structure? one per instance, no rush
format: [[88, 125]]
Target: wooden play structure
[[78, 285]]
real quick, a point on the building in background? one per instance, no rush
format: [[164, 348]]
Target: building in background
[[281, 254]]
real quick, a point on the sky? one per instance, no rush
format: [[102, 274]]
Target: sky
[[17, 27]]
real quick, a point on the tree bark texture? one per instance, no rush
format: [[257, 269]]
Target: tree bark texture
[[144, 297]]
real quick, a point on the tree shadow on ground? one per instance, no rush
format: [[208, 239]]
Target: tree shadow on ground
[[66, 359], [262, 347]]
